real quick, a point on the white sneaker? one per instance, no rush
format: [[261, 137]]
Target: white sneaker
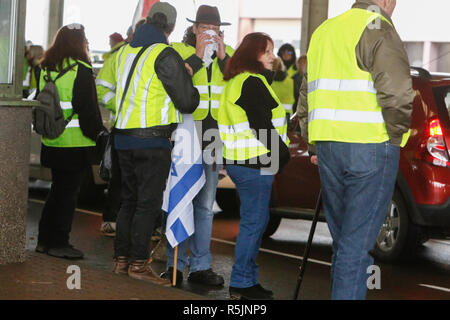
[[108, 229]]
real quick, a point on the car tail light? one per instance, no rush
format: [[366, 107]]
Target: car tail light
[[434, 149]]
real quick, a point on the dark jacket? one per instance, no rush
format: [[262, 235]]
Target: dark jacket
[[177, 82], [380, 52], [258, 104], [84, 102]]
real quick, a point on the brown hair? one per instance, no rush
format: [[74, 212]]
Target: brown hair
[[245, 59], [69, 43], [34, 55]]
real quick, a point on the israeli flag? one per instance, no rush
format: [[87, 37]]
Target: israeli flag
[[186, 179]]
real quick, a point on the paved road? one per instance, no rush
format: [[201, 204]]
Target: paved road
[[425, 277]]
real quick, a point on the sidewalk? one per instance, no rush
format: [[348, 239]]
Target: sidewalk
[[43, 277]]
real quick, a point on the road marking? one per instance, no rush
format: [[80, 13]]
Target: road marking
[[79, 210], [277, 253], [435, 287]]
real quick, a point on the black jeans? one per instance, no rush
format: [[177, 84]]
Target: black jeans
[[144, 175], [56, 219], [112, 204]]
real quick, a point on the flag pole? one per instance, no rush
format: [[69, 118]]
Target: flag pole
[[175, 259]]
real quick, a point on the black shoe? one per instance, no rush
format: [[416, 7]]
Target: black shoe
[[41, 248], [266, 291], [250, 293], [168, 274], [207, 277], [67, 252]]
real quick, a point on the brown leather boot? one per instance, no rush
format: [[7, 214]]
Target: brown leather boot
[[121, 265], [141, 270]]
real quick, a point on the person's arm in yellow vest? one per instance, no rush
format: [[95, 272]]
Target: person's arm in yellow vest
[[106, 85]]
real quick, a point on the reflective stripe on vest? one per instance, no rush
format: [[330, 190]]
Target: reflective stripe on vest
[[240, 143], [341, 85], [106, 84], [147, 104], [209, 91], [342, 99], [72, 136]]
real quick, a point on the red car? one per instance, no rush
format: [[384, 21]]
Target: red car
[[420, 207]]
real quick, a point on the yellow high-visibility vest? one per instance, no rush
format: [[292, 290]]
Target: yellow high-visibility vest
[[239, 142], [72, 136], [147, 103], [342, 99], [210, 92]]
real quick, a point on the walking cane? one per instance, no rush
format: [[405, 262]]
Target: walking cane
[[308, 245]]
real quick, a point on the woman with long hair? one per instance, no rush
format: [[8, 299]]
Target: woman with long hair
[[71, 154], [253, 128]]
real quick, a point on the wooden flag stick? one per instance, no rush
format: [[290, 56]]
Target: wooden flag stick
[[175, 258]]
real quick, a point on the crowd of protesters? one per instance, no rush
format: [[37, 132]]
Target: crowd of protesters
[[247, 97]]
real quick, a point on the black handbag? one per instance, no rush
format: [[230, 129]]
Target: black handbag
[[106, 139]]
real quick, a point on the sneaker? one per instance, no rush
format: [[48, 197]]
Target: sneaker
[[168, 274], [207, 277], [67, 252], [250, 293], [108, 229]]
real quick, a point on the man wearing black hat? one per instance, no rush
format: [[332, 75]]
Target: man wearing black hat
[[204, 50]]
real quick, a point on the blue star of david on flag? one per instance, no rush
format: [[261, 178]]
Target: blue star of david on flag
[[186, 179]]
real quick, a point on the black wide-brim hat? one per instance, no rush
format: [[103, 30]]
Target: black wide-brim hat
[[208, 15]]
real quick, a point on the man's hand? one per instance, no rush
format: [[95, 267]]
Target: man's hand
[[314, 160], [189, 69], [202, 42], [221, 53]]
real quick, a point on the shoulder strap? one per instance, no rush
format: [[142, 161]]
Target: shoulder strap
[[64, 71], [127, 85]]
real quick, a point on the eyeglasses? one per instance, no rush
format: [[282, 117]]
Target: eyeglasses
[[73, 26]]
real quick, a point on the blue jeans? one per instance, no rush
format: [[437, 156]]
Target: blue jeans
[[357, 182], [199, 242], [254, 192]]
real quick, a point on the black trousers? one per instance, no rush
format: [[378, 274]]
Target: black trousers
[[144, 175], [112, 204], [57, 215]]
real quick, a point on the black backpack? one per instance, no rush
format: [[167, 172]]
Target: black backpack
[[48, 119]]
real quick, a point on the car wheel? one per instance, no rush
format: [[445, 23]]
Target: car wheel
[[228, 200], [398, 238]]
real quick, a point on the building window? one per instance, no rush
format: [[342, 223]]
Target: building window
[[8, 17]]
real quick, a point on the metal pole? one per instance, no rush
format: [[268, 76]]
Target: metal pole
[[308, 245], [314, 13], [55, 19]]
